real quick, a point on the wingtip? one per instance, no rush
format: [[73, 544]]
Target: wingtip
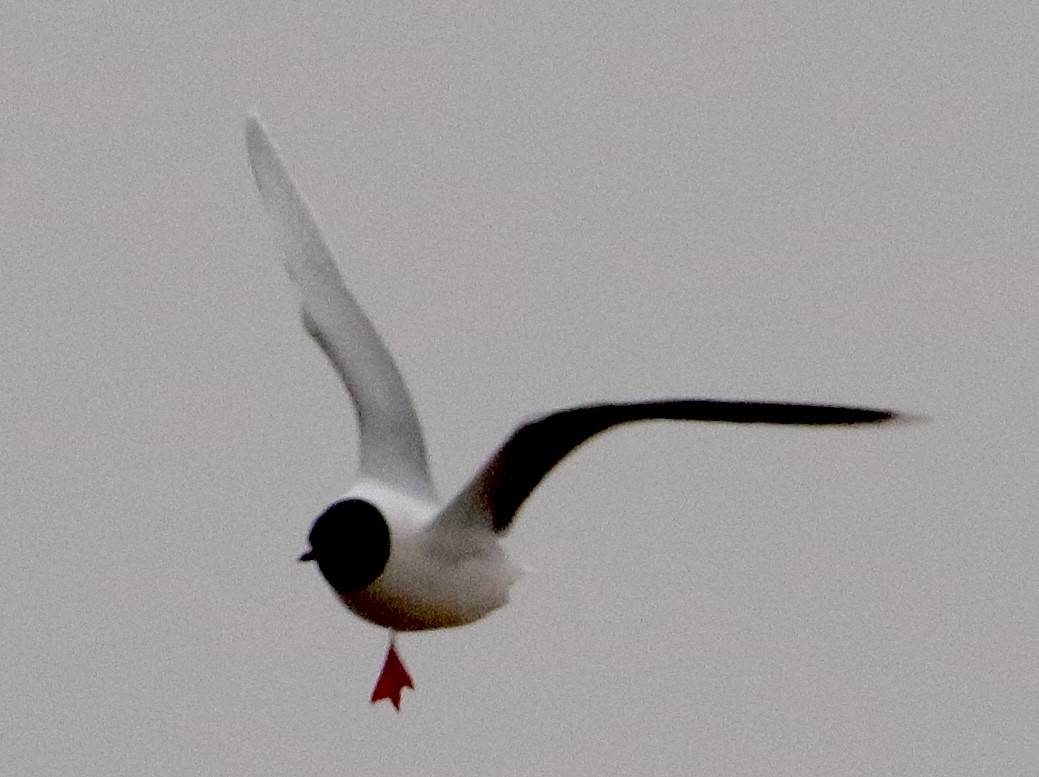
[[870, 417], [256, 136], [253, 121], [908, 418], [263, 157]]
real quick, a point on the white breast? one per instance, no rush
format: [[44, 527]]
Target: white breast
[[430, 581]]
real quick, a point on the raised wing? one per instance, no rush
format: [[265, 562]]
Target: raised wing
[[492, 498], [391, 447]]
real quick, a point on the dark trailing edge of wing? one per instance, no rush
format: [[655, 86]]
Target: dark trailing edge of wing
[[536, 447]]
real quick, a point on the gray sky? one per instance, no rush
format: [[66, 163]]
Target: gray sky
[[538, 206]]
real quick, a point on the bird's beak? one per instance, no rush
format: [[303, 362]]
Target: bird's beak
[[308, 556]]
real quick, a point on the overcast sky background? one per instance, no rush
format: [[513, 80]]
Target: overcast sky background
[[538, 204]]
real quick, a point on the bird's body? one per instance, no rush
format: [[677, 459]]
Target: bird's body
[[392, 551], [435, 577]]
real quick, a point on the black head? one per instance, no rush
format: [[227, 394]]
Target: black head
[[350, 542]]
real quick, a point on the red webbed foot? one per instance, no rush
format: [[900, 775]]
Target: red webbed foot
[[393, 680]]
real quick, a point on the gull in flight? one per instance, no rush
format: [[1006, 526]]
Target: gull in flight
[[390, 549]]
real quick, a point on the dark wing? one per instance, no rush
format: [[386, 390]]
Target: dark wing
[[492, 498]]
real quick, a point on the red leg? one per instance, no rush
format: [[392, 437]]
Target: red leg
[[393, 680]]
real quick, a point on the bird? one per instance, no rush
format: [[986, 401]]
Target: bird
[[393, 552]]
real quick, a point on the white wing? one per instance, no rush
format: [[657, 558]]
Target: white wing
[[391, 448]]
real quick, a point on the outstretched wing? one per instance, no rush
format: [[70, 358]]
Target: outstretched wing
[[492, 498], [391, 447]]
